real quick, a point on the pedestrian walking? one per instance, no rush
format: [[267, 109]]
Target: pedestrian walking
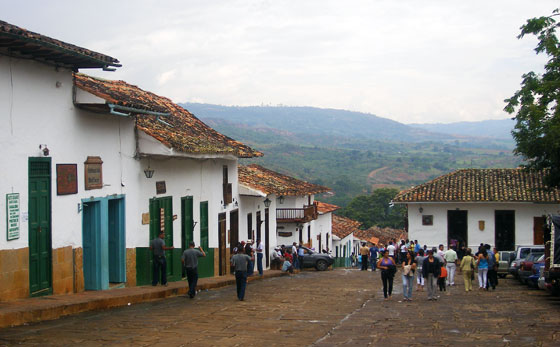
[[492, 269], [442, 278], [240, 262], [388, 270], [373, 250], [482, 264], [467, 268], [450, 258], [431, 269], [419, 276], [190, 262], [157, 246], [260, 249], [300, 256], [392, 250], [364, 252], [249, 252], [409, 268]]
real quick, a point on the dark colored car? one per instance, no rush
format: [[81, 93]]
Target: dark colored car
[[533, 279], [320, 261], [526, 266], [516, 264]]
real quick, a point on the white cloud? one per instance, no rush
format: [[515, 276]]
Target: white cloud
[[412, 61]]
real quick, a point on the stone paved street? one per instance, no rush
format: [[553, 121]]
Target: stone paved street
[[314, 308]]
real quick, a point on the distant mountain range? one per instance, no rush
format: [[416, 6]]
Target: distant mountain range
[[500, 128], [339, 125]]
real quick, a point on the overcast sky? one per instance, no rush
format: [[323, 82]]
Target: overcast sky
[[413, 61]]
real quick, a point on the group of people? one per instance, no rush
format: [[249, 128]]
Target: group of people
[[433, 268]]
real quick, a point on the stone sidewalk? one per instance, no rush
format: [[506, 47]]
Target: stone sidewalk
[[18, 312]]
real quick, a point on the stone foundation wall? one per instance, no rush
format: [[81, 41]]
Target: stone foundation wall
[[131, 267], [14, 274], [63, 270]]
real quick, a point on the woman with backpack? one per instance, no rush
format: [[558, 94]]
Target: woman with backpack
[[388, 269]]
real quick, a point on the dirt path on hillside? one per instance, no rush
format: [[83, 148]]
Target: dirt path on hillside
[[376, 171]]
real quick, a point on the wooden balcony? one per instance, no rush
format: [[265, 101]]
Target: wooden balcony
[[297, 215]]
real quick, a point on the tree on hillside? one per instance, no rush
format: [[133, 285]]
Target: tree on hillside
[[537, 130], [374, 209]]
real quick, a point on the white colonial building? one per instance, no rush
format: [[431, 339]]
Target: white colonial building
[[294, 214], [94, 169], [500, 207]]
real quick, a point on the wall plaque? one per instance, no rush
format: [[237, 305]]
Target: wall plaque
[[285, 233], [145, 218], [66, 179], [160, 187], [12, 216], [93, 173], [427, 219]]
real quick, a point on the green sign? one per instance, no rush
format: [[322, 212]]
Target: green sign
[[12, 216]]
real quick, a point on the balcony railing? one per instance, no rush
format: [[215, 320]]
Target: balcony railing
[[296, 215]]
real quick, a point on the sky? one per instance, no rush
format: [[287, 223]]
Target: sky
[[413, 61]]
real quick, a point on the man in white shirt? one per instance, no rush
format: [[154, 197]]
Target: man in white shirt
[[391, 250], [450, 258], [260, 248]]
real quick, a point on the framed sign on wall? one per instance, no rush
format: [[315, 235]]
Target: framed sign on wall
[[66, 179], [93, 173]]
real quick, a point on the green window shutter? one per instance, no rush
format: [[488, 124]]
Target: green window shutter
[[204, 225]]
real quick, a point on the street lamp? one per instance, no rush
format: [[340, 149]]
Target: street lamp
[[267, 202]]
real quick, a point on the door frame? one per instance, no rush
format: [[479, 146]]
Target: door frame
[[48, 289], [449, 217], [104, 272]]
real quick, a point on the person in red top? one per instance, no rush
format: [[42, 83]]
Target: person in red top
[[441, 279]]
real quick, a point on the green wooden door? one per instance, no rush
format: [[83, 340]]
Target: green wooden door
[[162, 208], [187, 225], [206, 264], [40, 279]]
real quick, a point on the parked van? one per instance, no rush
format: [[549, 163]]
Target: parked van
[[506, 257]]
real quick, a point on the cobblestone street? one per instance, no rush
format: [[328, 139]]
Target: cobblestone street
[[314, 308]]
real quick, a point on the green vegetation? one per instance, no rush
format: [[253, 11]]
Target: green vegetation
[[537, 131], [374, 209], [355, 154]]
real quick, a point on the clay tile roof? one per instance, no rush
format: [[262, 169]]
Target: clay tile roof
[[483, 185], [384, 235], [271, 182], [342, 226], [185, 132], [25, 43], [323, 207], [366, 235]]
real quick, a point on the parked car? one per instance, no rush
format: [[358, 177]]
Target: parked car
[[319, 261], [521, 253], [506, 257], [533, 279], [526, 266]]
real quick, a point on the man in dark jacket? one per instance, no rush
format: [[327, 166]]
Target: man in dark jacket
[[431, 268]]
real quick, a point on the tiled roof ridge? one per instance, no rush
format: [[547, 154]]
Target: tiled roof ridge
[[272, 182], [324, 207], [187, 133], [41, 39], [487, 185], [344, 226]]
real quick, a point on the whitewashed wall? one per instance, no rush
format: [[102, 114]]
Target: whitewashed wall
[[322, 226], [436, 234], [37, 111], [252, 204]]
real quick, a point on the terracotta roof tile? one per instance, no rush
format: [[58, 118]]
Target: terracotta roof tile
[[271, 182], [342, 226], [384, 235], [186, 133], [43, 48], [483, 185], [323, 207]]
